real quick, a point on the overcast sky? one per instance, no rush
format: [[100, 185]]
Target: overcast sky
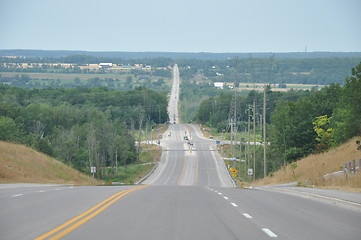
[[182, 26]]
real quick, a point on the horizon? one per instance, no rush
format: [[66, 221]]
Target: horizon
[[80, 50]]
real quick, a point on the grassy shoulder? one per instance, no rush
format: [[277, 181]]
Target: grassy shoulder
[[310, 171], [21, 164], [132, 173], [307, 172]]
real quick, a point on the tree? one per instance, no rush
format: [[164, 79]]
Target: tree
[[9, 131], [347, 116], [324, 133]]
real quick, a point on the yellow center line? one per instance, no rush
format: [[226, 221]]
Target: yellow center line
[[184, 167], [109, 201]]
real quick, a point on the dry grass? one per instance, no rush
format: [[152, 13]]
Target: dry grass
[[310, 170], [20, 164]]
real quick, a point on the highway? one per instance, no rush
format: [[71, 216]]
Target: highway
[[188, 196]]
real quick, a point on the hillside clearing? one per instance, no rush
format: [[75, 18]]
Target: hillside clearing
[[21, 164], [309, 171]]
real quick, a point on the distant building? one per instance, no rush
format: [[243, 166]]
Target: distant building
[[219, 85], [105, 65]]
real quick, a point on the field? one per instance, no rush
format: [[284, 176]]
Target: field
[[39, 80], [275, 87], [65, 76]]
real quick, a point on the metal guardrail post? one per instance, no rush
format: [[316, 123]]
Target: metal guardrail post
[[359, 164], [349, 166], [354, 166], [345, 170]]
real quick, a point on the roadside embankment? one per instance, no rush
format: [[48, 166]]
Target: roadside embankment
[[21, 164]]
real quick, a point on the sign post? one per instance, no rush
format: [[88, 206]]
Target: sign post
[[93, 170]]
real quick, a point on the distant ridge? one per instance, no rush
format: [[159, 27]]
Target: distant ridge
[[175, 55]]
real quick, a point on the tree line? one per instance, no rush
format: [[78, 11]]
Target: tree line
[[298, 122], [83, 127], [271, 70]]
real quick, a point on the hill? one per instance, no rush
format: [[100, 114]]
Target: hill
[[21, 164], [310, 171]]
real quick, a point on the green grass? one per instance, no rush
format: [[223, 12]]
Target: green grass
[[130, 174], [69, 77], [134, 172]]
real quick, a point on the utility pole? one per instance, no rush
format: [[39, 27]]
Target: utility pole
[[264, 132], [249, 139], [254, 139], [232, 119], [235, 122]]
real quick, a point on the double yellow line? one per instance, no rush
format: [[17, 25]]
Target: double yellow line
[[76, 222], [184, 168]]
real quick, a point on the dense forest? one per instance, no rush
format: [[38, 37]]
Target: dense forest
[[298, 122], [83, 127]]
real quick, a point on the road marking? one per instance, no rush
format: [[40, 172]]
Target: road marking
[[220, 193], [92, 212], [225, 198], [183, 170], [17, 195], [197, 170], [269, 233], [41, 191], [234, 205], [247, 215]]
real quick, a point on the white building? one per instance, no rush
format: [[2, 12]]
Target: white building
[[105, 65], [219, 85]]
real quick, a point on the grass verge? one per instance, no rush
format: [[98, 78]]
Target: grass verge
[[132, 173]]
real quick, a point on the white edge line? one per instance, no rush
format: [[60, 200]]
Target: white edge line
[[17, 195], [269, 233], [247, 215]]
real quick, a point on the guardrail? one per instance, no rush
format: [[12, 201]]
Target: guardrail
[[350, 166]]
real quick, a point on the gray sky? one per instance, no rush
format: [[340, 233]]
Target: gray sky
[[182, 26]]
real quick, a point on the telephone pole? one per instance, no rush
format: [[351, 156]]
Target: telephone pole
[[254, 139], [249, 140], [232, 120], [264, 132]]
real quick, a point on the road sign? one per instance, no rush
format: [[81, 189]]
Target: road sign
[[93, 169], [218, 142], [250, 171]]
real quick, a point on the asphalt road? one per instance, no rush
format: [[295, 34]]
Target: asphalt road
[[188, 196]]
